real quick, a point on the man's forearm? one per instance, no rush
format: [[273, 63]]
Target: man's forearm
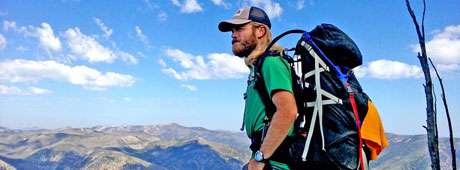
[[277, 132]]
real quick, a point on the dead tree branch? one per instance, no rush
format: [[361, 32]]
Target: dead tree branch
[[444, 100], [432, 135]]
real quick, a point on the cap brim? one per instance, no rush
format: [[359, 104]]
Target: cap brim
[[227, 25]]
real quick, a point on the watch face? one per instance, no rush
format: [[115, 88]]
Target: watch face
[[259, 156]]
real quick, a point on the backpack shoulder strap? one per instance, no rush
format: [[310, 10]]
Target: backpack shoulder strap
[[262, 88], [260, 84]]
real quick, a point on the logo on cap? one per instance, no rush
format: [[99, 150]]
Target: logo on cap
[[237, 13]]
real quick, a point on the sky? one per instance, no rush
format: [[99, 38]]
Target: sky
[[75, 63]]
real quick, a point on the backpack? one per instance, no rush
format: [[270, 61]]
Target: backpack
[[330, 101]]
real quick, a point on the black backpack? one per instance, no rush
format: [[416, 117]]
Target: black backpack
[[337, 144]]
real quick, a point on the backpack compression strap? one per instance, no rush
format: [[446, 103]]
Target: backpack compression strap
[[358, 123]]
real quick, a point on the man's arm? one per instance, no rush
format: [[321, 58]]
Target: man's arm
[[283, 119]]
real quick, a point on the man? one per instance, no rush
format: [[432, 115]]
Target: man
[[251, 34]]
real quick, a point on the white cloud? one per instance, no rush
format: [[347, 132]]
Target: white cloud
[[273, 9], [107, 31], [388, 70], [81, 46], [173, 73], [226, 66], [151, 5], [12, 90], [444, 48], [21, 48], [162, 63], [176, 2], [189, 87], [360, 71], [220, 3], [127, 99], [217, 2], [189, 6], [2, 42], [217, 66], [447, 67], [141, 35], [140, 54], [36, 90], [47, 38], [18, 71], [44, 34], [162, 16], [300, 4], [128, 58], [185, 59], [9, 90], [87, 47], [7, 25]]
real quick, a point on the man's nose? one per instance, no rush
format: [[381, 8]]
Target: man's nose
[[234, 33]]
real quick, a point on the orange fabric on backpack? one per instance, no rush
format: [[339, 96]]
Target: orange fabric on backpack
[[372, 132]]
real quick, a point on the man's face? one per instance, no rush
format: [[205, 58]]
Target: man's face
[[244, 40]]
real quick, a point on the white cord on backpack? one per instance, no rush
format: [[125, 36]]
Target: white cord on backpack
[[309, 134], [317, 105]]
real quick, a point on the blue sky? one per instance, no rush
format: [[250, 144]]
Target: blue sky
[[86, 63]]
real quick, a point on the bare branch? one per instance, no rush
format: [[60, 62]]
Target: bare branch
[[444, 100], [414, 20], [435, 103], [423, 20], [431, 126], [435, 110]]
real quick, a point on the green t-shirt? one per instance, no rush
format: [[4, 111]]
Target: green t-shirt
[[277, 76]]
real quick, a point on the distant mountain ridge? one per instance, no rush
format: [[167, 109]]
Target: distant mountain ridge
[[123, 147], [411, 152], [165, 147]]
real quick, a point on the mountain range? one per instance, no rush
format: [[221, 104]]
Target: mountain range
[[165, 147]]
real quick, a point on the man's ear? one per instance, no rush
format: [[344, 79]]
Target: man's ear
[[260, 31]]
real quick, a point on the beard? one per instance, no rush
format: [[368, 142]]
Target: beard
[[242, 48]]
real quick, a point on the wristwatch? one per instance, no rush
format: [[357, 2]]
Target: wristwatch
[[259, 157]]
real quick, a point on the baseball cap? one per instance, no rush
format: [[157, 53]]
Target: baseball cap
[[243, 16]]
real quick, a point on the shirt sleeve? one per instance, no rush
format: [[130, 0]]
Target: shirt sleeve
[[276, 74]]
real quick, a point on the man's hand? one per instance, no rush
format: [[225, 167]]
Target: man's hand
[[254, 165]]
